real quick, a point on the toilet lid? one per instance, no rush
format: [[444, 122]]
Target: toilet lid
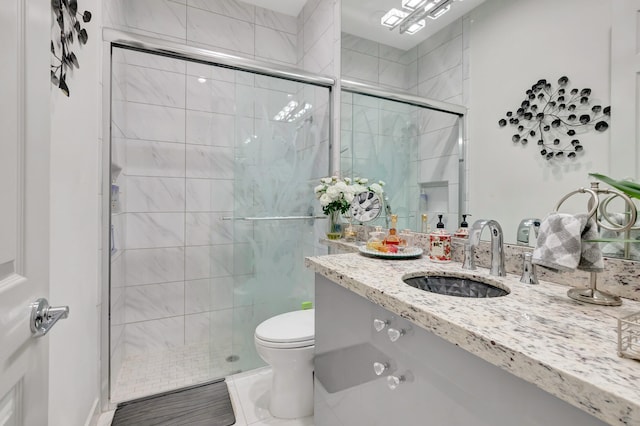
[[296, 326]]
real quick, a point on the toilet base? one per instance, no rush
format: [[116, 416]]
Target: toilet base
[[291, 394]]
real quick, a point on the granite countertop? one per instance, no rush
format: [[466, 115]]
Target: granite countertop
[[536, 332]]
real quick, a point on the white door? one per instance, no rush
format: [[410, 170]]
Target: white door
[[24, 207], [625, 89]]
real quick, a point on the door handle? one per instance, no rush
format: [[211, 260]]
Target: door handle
[[43, 316]]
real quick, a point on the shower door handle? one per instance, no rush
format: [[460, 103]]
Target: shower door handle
[[43, 316]]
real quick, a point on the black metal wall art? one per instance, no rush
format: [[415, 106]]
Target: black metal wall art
[[553, 117], [66, 13]]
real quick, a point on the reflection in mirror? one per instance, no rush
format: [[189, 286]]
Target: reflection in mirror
[[413, 149], [484, 59]]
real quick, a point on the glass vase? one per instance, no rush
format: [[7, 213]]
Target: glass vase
[[334, 229]]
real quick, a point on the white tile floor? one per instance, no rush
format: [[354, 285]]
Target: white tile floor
[[249, 393], [148, 374]]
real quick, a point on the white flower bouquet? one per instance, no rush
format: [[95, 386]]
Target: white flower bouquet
[[336, 195]]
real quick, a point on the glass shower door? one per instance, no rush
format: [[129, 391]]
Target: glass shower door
[[282, 152]]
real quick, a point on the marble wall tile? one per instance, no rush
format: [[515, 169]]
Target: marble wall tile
[[429, 121], [278, 84], [209, 294], [211, 72], [222, 326], [275, 45], [165, 18], [150, 158], [441, 59], [152, 266], [218, 30], [148, 85], [208, 195], [155, 194], [122, 56], [443, 36], [404, 57], [442, 86], [149, 122], [155, 335], [438, 143], [359, 66], [208, 128], [392, 74], [211, 95], [230, 8], [439, 169], [154, 230], [218, 261], [319, 59], [320, 20], [196, 328], [154, 301], [198, 262], [209, 162], [362, 45], [203, 229], [277, 21]]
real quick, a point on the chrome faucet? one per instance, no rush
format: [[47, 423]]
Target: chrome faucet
[[526, 227], [497, 249]]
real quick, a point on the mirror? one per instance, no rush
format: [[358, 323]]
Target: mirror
[[485, 57]]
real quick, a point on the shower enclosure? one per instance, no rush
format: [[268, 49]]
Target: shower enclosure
[[213, 165]]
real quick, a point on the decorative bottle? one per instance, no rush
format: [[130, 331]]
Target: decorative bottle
[[440, 243], [392, 237]]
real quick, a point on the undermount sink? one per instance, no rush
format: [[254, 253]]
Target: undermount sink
[[455, 286]]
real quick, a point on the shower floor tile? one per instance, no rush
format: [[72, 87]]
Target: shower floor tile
[[148, 374]]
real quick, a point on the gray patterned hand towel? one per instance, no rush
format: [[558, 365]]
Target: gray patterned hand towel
[[562, 244]]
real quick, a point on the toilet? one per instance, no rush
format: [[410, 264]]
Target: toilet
[[286, 343]]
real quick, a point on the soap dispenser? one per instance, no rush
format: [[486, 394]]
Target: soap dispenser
[[463, 231], [440, 243]]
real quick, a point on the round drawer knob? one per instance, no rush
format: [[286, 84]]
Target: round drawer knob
[[380, 367], [379, 324], [395, 334], [394, 381]]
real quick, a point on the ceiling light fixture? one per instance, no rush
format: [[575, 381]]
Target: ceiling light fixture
[[413, 21], [393, 17], [412, 4]]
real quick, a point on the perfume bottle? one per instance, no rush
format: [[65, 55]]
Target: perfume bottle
[[375, 238], [463, 231], [440, 243], [392, 237]]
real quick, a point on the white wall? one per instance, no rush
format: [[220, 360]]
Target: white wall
[[75, 237], [513, 44]]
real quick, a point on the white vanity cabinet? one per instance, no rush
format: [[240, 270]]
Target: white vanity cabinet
[[436, 382]]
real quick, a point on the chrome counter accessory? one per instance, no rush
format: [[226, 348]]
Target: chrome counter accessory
[[525, 228], [497, 247], [528, 270], [629, 336], [592, 294], [43, 316]]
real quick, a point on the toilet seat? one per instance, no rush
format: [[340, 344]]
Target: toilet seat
[[289, 330]]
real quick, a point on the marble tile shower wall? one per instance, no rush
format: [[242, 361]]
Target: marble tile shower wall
[[177, 135]]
